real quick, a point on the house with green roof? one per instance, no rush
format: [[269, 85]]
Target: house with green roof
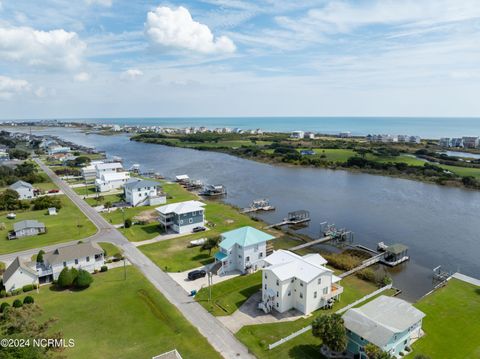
[[242, 249]]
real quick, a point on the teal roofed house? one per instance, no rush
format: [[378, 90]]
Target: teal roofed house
[[242, 249]]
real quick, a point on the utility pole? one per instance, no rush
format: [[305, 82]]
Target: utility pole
[[210, 283]]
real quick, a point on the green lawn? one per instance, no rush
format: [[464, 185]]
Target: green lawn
[[173, 254], [463, 171], [334, 154], [305, 346], [110, 248], [104, 199], [69, 224], [85, 190], [229, 295], [452, 322], [115, 318]]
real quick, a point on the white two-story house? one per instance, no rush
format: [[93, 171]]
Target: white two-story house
[[110, 181], [242, 249], [24, 189], [290, 281], [109, 167], [140, 192], [87, 256]]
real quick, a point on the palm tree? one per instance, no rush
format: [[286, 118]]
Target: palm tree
[[210, 244], [330, 329]]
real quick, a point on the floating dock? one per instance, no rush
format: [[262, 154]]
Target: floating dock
[[293, 218], [259, 205]]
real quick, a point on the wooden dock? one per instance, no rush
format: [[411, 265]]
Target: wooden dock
[[366, 263], [312, 243], [287, 222]]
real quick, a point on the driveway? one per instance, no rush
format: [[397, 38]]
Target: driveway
[[249, 314], [189, 285]]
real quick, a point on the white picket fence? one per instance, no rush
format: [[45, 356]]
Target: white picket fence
[[340, 311]]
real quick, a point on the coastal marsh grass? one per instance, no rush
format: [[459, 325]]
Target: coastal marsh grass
[[452, 322], [117, 318], [69, 224]]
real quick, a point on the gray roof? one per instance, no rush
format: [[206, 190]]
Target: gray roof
[[12, 268], [74, 251], [140, 184], [380, 319], [20, 184], [396, 248], [29, 223]]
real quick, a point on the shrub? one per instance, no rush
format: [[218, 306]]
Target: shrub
[[9, 294], [128, 223], [3, 293], [65, 278], [28, 300], [4, 306], [367, 274], [16, 291], [17, 303], [28, 288], [40, 256], [2, 267], [84, 279], [103, 269]]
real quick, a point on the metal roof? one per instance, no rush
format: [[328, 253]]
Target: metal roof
[[29, 223], [20, 184], [244, 236], [379, 320], [396, 248], [181, 207], [74, 251], [140, 183]]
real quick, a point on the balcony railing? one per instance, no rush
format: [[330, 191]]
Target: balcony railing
[[334, 291]]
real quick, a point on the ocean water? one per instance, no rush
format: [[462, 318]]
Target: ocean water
[[426, 127]]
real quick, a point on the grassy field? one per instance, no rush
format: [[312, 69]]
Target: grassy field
[[229, 295], [258, 337], [452, 322], [69, 224], [82, 191], [463, 171], [110, 248], [115, 318], [173, 255]]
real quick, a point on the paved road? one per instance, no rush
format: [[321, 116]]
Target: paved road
[[210, 327]]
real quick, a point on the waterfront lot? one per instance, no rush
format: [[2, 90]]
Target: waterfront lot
[[452, 322], [173, 255], [117, 318], [69, 224], [305, 346]]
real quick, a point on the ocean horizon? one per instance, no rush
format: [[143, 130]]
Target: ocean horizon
[[426, 127]]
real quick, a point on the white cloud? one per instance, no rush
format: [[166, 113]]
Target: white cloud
[[81, 77], [50, 49], [131, 74], [175, 28], [9, 87], [106, 3]]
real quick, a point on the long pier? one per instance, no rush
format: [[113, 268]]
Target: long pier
[[366, 263], [287, 222], [312, 243]]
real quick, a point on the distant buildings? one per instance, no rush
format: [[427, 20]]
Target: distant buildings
[[386, 138], [346, 134], [24, 189], [390, 323], [290, 281], [27, 228], [297, 134], [460, 142], [471, 142], [4, 156], [182, 217]]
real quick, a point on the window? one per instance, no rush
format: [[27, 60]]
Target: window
[[301, 284], [247, 259], [190, 220], [256, 248], [88, 259], [289, 293], [319, 280], [277, 295], [314, 294], [292, 280], [301, 295], [265, 287], [278, 283], [64, 264], [76, 261], [260, 255], [265, 275], [325, 290], [405, 342], [277, 305], [181, 221]]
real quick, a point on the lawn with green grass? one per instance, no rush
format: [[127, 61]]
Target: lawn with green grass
[[109, 248], [229, 295], [173, 255], [117, 318], [69, 224], [85, 190], [452, 322], [305, 346]]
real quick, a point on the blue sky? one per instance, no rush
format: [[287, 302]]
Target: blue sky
[[127, 58]]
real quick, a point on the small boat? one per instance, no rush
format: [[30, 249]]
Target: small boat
[[213, 190], [198, 242], [11, 216]]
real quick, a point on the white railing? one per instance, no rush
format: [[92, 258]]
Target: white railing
[[340, 311]]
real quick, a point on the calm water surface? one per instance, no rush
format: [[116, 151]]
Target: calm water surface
[[441, 226]]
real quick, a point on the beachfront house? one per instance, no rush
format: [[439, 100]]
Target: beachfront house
[[140, 192], [24, 189], [89, 173], [87, 256], [390, 323], [27, 228], [110, 181], [290, 281], [57, 150], [109, 167], [242, 249], [297, 134], [182, 217]]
